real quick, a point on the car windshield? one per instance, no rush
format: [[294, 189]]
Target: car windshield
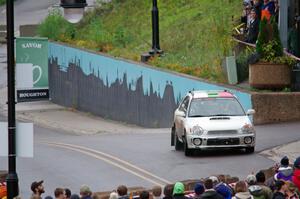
[[206, 107]]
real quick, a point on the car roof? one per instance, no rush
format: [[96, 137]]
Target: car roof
[[211, 94]]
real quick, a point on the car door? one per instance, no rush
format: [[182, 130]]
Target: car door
[[180, 115]]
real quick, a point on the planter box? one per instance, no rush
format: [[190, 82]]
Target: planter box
[[269, 75]]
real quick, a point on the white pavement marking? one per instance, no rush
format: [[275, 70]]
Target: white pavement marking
[[113, 161]]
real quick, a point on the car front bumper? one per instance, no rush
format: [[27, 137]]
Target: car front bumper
[[236, 141]]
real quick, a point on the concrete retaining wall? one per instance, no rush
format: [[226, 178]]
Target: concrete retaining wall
[[120, 90], [276, 107]]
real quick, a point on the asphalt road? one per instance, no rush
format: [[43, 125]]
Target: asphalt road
[[70, 166]]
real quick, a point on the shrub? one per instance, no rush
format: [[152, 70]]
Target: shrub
[[55, 27], [269, 45]]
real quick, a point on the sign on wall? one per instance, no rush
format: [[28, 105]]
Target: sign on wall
[[32, 69]]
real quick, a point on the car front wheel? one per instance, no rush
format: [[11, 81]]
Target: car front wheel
[[187, 151], [178, 144]]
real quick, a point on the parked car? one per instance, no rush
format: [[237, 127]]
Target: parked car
[[210, 120]]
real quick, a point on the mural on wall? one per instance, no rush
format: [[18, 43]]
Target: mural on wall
[[119, 90]]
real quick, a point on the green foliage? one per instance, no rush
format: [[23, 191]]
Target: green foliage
[[195, 35], [55, 27], [269, 44], [2, 2]]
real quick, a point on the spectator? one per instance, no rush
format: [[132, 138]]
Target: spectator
[[285, 172], [257, 192], [280, 189], [68, 193], [276, 10], [198, 191], [293, 39], [260, 180], [168, 192], [268, 8], [253, 28], [246, 16], [122, 192], [37, 188], [74, 196], [144, 195], [59, 193], [251, 180], [48, 197], [215, 180], [156, 191], [85, 192], [224, 190], [292, 191], [296, 175], [178, 191], [209, 192], [257, 4], [241, 191], [113, 195]]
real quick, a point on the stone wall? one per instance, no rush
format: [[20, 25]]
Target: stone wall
[[276, 107]]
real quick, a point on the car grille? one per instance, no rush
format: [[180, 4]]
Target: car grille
[[226, 141], [222, 132]]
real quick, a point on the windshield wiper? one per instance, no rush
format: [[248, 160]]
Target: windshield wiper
[[197, 116]]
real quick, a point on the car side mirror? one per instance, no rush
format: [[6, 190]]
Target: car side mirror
[[251, 112]]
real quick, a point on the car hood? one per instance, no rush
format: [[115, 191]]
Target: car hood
[[219, 122]]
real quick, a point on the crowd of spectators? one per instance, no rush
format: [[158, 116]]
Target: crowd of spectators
[[285, 184], [254, 11]]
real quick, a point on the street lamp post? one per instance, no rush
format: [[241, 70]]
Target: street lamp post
[[155, 34], [12, 178]]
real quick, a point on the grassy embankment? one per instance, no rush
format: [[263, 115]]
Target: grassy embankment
[[194, 34]]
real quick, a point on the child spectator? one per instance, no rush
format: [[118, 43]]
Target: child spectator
[[285, 172]]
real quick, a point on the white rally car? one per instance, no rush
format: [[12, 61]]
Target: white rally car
[[212, 119]]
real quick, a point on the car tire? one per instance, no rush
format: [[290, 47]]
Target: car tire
[[177, 143], [250, 149], [187, 151]]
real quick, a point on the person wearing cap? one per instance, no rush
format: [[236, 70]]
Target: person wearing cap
[[199, 190], [285, 172], [85, 192], [224, 190], [178, 191], [209, 192], [37, 188], [296, 174], [280, 190]]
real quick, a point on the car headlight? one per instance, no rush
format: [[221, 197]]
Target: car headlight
[[197, 130], [248, 129]]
